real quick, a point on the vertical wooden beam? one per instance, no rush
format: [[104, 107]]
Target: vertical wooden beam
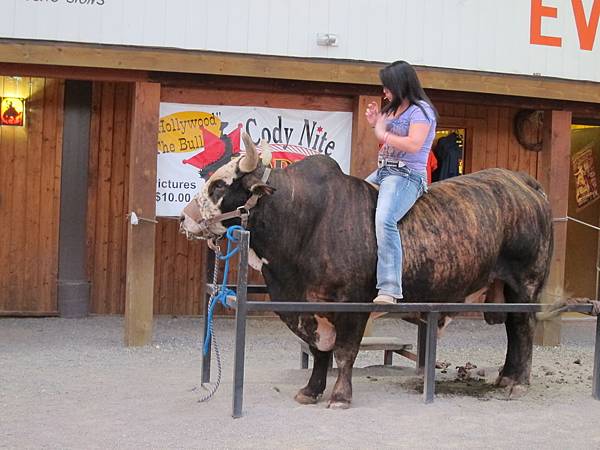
[[139, 286], [364, 143], [553, 174]]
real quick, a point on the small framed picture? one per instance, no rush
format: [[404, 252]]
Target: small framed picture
[[12, 111]]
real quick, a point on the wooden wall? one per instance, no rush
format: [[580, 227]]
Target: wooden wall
[[30, 165], [179, 271], [490, 141], [178, 268], [107, 185]]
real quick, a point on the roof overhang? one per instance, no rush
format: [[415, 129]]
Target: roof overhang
[[127, 62]]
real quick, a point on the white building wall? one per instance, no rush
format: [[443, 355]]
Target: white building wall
[[481, 35]]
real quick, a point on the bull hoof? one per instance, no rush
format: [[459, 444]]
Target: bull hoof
[[513, 389], [504, 381], [338, 405], [516, 391], [494, 318], [304, 399]]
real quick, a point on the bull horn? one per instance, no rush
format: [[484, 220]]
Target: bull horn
[[266, 153], [249, 161]]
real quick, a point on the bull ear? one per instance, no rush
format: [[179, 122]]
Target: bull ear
[[256, 186], [262, 189], [249, 161]]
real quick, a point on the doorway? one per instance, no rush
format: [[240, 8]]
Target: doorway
[[582, 259], [448, 153]]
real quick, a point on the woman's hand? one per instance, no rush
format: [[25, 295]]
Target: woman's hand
[[372, 113], [380, 127]]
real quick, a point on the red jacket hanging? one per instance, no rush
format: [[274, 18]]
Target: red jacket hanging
[[432, 164]]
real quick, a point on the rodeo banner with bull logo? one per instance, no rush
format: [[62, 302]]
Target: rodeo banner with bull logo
[[195, 140]]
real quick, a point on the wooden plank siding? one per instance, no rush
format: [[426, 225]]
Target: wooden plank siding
[[30, 164], [106, 180], [178, 271], [490, 140], [179, 264]]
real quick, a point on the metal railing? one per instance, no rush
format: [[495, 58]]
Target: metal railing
[[426, 337]]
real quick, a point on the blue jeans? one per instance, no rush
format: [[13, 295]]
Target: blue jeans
[[399, 189]]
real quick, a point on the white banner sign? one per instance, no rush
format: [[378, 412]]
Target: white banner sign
[[195, 140]]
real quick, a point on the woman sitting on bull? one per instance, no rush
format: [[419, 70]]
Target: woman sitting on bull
[[405, 127]]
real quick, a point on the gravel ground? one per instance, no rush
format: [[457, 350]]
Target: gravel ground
[[71, 384]]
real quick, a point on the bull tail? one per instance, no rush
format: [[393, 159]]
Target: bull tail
[[553, 310]]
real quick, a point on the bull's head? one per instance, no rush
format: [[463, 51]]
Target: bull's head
[[228, 189]]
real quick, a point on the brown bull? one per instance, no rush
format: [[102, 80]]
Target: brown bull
[[487, 235]]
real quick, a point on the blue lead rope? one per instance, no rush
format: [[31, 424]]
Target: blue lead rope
[[223, 292]]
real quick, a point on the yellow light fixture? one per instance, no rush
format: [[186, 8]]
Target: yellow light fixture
[[12, 111]]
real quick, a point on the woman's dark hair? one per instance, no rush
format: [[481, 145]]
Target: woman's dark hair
[[400, 78]]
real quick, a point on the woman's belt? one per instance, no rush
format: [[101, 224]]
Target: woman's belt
[[390, 163]]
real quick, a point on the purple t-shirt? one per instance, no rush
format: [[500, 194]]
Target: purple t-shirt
[[400, 125]]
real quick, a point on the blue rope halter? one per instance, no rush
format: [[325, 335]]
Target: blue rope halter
[[223, 292]]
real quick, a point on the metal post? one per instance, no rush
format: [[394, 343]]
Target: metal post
[[303, 359], [240, 325], [430, 350], [210, 266], [73, 282], [596, 376], [388, 356], [421, 337]]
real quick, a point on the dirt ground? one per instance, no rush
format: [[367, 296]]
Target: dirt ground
[[71, 384]]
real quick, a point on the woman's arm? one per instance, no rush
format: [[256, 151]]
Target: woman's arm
[[417, 134]]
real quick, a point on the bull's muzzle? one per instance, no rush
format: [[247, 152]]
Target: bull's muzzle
[[191, 228], [192, 224]]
